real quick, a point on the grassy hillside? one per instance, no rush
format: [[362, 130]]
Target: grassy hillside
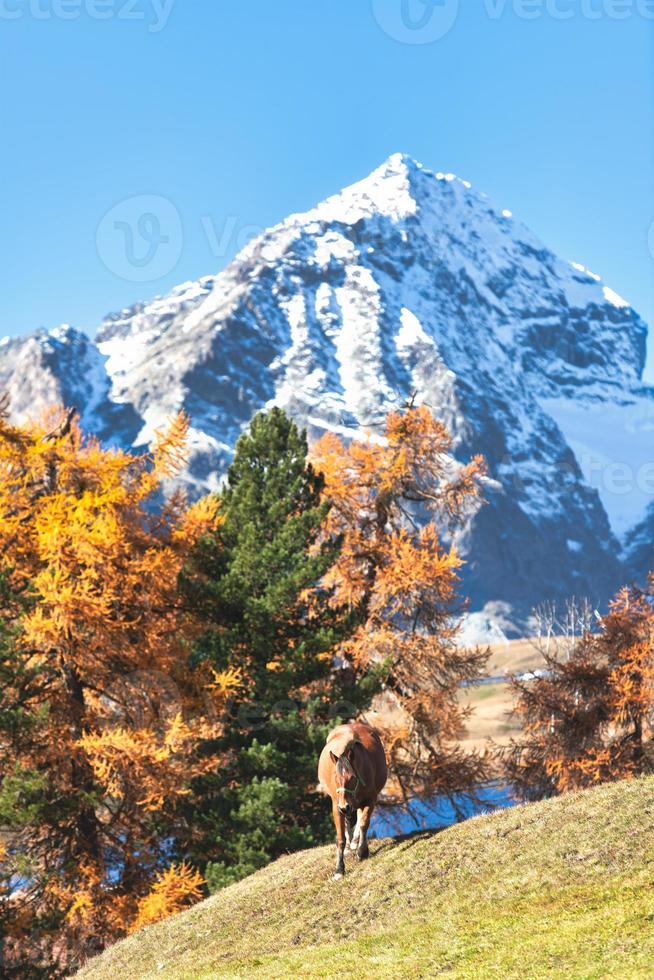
[[563, 888]]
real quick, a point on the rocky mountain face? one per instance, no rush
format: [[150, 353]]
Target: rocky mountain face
[[408, 281]]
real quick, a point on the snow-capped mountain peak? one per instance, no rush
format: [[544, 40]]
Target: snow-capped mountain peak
[[407, 281], [388, 191]]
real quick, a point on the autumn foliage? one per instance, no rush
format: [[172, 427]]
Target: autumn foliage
[[168, 672], [588, 718], [258, 586], [100, 717], [393, 499]]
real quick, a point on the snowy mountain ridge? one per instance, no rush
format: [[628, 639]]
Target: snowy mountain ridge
[[408, 281]]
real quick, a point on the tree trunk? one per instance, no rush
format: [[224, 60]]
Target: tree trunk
[[82, 779]]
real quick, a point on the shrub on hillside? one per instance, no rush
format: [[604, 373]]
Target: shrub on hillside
[[588, 718]]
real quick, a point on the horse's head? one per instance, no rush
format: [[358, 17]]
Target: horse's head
[[347, 780]]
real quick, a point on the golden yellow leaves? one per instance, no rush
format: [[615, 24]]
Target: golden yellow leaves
[[590, 719], [375, 488], [81, 908], [178, 886], [393, 564], [629, 630], [594, 767], [197, 520], [415, 564], [169, 447], [123, 712], [79, 897], [75, 522], [147, 767], [225, 682], [88, 906]]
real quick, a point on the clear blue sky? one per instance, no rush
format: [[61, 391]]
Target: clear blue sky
[[242, 112]]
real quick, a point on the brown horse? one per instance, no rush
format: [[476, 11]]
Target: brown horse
[[352, 770]]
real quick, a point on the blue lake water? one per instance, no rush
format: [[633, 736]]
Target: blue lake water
[[435, 812]]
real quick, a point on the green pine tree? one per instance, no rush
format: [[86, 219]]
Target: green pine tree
[[24, 797], [249, 582]]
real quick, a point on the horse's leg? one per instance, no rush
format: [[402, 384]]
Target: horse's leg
[[363, 824], [349, 833], [354, 839], [339, 823]]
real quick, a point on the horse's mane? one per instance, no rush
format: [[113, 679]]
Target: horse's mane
[[344, 763]]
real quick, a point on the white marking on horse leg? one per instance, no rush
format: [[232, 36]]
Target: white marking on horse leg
[[366, 814], [354, 840]]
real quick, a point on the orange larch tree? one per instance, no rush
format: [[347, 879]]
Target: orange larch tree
[[588, 718], [100, 715], [564, 715], [394, 564], [627, 642]]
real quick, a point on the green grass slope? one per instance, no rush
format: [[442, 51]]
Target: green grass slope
[[563, 888]]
